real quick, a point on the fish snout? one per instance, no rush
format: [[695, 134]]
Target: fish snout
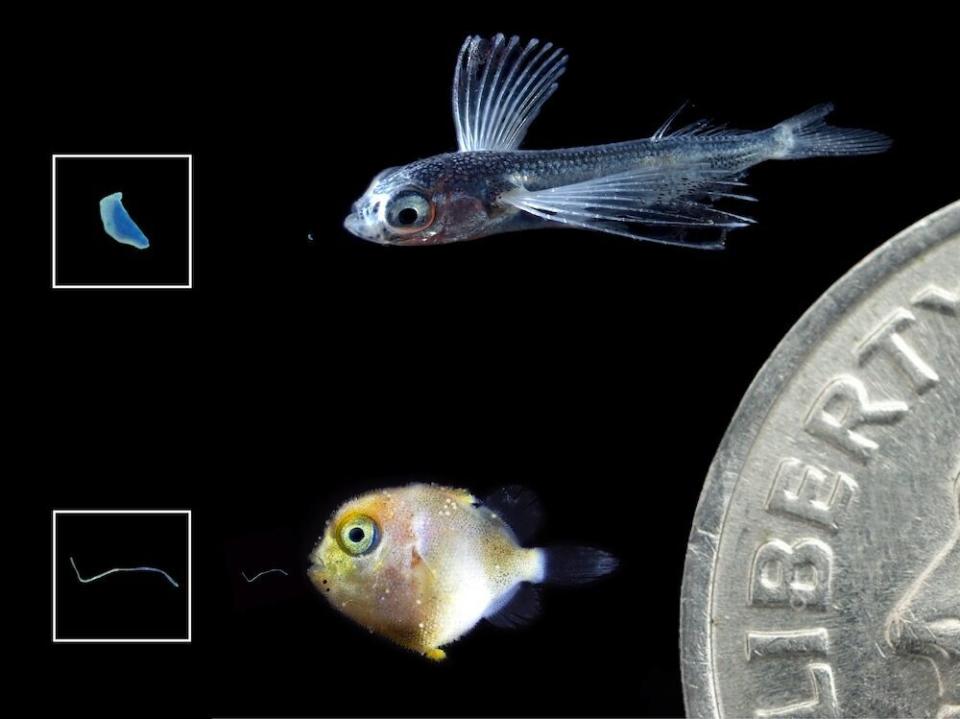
[[362, 223], [353, 224], [357, 226]]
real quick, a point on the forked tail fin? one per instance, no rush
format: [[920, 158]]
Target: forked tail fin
[[808, 135]]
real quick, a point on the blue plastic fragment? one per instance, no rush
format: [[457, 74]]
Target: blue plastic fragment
[[117, 223]]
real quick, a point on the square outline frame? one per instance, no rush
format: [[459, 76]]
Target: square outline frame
[[53, 223], [53, 564]]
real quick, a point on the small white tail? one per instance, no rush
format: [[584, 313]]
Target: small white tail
[[808, 135]]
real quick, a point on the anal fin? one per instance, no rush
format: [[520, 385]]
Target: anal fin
[[518, 606]]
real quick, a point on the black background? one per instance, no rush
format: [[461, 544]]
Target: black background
[[128, 605], [155, 194], [599, 371]]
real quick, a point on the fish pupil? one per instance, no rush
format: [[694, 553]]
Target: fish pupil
[[356, 534], [407, 216]]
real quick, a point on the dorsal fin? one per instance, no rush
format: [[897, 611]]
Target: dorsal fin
[[665, 127], [518, 606], [499, 88], [519, 508]]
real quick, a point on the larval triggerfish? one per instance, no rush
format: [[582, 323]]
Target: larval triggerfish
[[422, 564]]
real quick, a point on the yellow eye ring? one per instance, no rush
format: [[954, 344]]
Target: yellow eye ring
[[357, 535]]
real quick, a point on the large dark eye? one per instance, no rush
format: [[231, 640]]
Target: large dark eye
[[358, 534], [409, 210]]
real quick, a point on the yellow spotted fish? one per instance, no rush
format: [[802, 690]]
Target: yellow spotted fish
[[422, 564]]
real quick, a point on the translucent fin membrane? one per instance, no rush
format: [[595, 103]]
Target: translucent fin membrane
[[808, 135], [665, 202], [499, 88]]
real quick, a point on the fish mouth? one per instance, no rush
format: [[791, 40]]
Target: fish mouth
[[358, 228], [317, 574]]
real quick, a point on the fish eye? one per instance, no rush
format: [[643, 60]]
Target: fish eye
[[358, 535], [409, 210]]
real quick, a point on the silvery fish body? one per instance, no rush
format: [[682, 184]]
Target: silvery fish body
[[663, 188]]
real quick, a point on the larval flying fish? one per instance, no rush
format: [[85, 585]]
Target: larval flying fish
[[663, 188]]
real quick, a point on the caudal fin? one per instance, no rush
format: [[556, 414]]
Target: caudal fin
[[808, 135], [576, 565]]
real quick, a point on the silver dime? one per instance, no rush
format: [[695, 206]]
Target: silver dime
[[822, 576]]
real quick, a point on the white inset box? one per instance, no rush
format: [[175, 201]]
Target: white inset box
[[101, 541], [157, 190]]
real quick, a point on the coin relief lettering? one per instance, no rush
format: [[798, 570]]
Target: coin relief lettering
[[823, 704], [787, 643], [811, 494], [814, 641], [842, 407], [797, 575], [939, 300], [887, 339]]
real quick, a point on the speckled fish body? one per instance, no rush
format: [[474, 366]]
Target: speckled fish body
[[667, 185], [422, 564]]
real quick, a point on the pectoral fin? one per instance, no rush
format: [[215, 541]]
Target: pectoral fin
[[499, 88], [671, 205]]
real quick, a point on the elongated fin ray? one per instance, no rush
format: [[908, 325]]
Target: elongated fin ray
[[665, 127], [697, 128], [499, 88]]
